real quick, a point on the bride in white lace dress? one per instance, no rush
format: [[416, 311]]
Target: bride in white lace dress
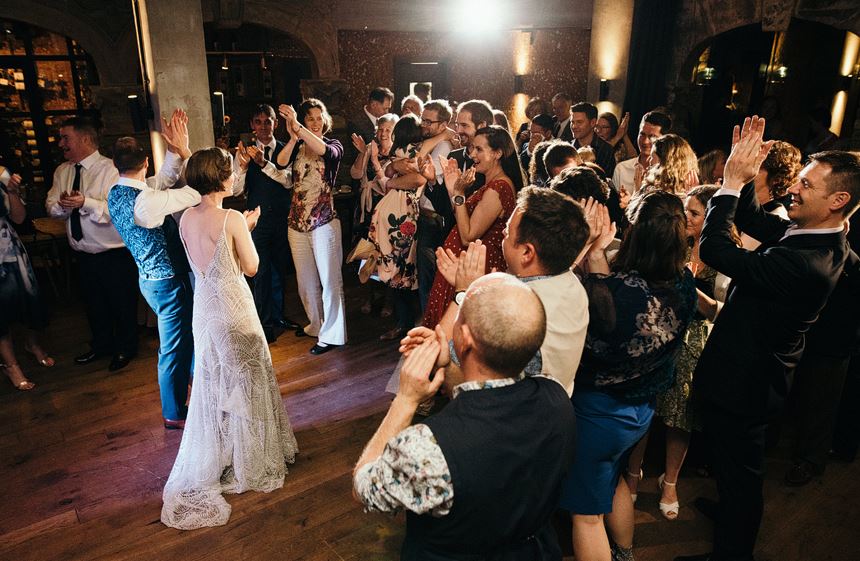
[[237, 435]]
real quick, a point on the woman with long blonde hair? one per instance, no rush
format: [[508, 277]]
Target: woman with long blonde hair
[[673, 166]]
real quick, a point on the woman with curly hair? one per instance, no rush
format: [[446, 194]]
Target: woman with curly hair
[[673, 166], [711, 167], [777, 173]]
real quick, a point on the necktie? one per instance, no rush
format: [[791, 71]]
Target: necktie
[[266, 153], [75, 220]]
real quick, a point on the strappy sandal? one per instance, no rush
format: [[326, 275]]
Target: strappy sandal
[[668, 510], [23, 384], [638, 477], [46, 359]]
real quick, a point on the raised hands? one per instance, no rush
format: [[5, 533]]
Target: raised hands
[[358, 142], [291, 119], [605, 228], [251, 217], [748, 152], [256, 154], [417, 379], [242, 156], [446, 264], [175, 133], [471, 266], [456, 182]]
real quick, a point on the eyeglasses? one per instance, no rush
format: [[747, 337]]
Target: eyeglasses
[[429, 122]]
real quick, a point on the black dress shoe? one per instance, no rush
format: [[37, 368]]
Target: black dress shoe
[[88, 357], [271, 336], [801, 473], [287, 324], [322, 349], [119, 361], [174, 424], [708, 507]]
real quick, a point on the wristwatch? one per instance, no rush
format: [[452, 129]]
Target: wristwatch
[[459, 297], [458, 200]]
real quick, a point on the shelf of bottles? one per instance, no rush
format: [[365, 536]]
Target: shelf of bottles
[[44, 79]]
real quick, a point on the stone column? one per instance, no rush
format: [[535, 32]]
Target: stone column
[[611, 26], [175, 57]]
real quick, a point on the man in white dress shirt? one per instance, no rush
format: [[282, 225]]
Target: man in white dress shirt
[[106, 269], [654, 124]]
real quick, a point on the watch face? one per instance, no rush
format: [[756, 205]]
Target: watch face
[[459, 200]]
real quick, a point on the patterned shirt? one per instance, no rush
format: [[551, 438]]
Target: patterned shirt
[[412, 472], [313, 181]]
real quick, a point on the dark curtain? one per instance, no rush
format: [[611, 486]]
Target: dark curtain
[[651, 44]]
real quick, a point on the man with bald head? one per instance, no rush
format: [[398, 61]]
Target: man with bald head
[[482, 476]]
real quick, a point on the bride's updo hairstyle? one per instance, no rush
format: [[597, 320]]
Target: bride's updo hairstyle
[[208, 169]]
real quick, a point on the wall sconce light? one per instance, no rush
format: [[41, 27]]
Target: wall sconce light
[[604, 90], [218, 108], [519, 87], [224, 65], [140, 114], [263, 62]]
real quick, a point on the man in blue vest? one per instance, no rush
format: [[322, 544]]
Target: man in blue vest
[[266, 186], [141, 210], [480, 479]]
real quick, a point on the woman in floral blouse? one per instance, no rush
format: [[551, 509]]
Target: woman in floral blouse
[[640, 307], [314, 228]]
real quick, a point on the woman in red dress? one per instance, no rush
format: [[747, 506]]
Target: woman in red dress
[[483, 215]]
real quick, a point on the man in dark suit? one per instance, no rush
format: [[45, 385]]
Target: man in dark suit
[[583, 119], [378, 104], [561, 117], [744, 372], [266, 186]]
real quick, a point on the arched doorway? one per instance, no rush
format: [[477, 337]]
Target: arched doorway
[[44, 78], [788, 76], [250, 65]]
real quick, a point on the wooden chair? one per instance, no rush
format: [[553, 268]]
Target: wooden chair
[[49, 251]]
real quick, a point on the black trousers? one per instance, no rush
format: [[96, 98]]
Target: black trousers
[[109, 284], [736, 449], [846, 435], [429, 236], [813, 405], [270, 239]]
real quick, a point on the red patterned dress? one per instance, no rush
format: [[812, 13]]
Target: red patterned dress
[[442, 293]]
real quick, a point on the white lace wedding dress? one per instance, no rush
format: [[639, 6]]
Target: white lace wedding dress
[[237, 436]]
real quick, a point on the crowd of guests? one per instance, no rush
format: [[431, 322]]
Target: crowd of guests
[[640, 282]]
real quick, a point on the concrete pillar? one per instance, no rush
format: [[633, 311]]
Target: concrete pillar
[[175, 57], [611, 27]]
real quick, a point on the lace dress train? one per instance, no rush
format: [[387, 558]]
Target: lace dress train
[[237, 436]]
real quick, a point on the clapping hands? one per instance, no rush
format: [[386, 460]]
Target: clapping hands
[[748, 152], [251, 218], [290, 120], [175, 133], [456, 182]]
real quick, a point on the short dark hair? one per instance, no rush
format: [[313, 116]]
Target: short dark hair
[[844, 175], [612, 120], [558, 155], [479, 110], [579, 183], [655, 244], [85, 126], [380, 94], [554, 224], [208, 169], [128, 154], [584, 107], [421, 88], [264, 109], [499, 118], [499, 138], [314, 103], [562, 95], [407, 131], [537, 169], [543, 120], [658, 119]]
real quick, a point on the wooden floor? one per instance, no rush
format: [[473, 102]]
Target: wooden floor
[[83, 459]]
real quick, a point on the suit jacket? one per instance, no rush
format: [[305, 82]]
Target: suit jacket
[[776, 294], [263, 191], [361, 125], [562, 132]]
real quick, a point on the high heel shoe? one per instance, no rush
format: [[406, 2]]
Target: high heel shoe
[[23, 384], [668, 510], [46, 359], [638, 477]]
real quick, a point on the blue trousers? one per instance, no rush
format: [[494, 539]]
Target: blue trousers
[[172, 300]]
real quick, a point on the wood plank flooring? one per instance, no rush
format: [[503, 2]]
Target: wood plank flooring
[[83, 460]]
